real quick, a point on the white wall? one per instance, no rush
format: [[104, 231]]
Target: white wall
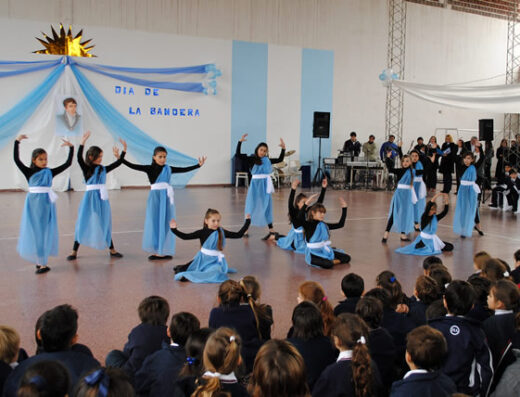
[[443, 46]]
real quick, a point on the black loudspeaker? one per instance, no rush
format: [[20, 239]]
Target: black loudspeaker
[[485, 130], [321, 125]]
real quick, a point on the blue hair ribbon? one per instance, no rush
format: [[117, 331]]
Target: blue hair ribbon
[[101, 379], [39, 381], [190, 360], [392, 279]]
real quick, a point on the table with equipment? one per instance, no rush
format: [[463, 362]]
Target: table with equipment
[[341, 172]]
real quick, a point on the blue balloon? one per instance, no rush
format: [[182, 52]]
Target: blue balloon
[[382, 77], [395, 76]]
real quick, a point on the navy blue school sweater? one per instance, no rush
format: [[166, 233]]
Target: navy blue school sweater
[[318, 353], [346, 306], [241, 319], [479, 312], [336, 381], [382, 351], [499, 330], [430, 384], [77, 365], [417, 312], [159, 371], [143, 340], [398, 325], [5, 371], [469, 362]]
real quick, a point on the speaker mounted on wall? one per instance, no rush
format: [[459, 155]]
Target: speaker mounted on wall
[[321, 125], [485, 129]]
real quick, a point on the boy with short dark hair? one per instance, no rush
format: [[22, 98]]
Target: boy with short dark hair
[[58, 332], [144, 339], [352, 286], [425, 353], [430, 262], [469, 360], [426, 292], [157, 375]]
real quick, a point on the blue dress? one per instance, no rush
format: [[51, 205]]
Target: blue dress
[[39, 227], [432, 244], [160, 210], [294, 238], [258, 201], [94, 224], [209, 265], [467, 203], [402, 207], [320, 238], [420, 191]]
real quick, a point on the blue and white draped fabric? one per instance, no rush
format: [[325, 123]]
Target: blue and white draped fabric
[[319, 244], [402, 203], [39, 226], [294, 241], [258, 201], [209, 264], [157, 236], [467, 203], [433, 245], [94, 224], [419, 188]]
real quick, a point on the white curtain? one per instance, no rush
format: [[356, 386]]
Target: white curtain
[[497, 98]]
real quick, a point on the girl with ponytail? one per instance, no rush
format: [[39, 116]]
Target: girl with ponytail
[[221, 358], [354, 373], [313, 292], [209, 264], [44, 379], [263, 312]]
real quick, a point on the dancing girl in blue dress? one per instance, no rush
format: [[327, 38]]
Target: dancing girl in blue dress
[[294, 241], [258, 201], [94, 224], [419, 187], [160, 208], [209, 264], [39, 226], [427, 243]]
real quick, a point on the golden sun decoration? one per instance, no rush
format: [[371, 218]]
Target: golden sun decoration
[[65, 44]]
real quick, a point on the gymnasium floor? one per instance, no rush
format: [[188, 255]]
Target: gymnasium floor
[[106, 292]]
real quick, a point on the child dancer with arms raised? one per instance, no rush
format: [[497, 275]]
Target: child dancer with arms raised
[[401, 215], [295, 241], [258, 201], [94, 224], [427, 242], [318, 251], [160, 208], [39, 227], [419, 187], [209, 264], [466, 212]]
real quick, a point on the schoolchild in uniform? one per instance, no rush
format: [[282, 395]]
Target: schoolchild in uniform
[[259, 202], [221, 360], [317, 235], [467, 215], [478, 262], [108, 382], [352, 287], [469, 362], [263, 311], [295, 240], [160, 207], [427, 242], [39, 226], [515, 274], [354, 373], [209, 264], [480, 310], [94, 224], [426, 292], [426, 350], [401, 214]]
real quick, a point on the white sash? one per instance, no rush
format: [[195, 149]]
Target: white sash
[[206, 251], [321, 244], [44, 189], [164, 186], [471, 183], [437, 242], [103, 192], [270, 187], [408, 187], [299, 230]]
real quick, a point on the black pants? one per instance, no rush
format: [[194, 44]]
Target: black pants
[[447, 246], [512, 199], [76, 245], [390, 223], [447, 181], [327, 264]]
